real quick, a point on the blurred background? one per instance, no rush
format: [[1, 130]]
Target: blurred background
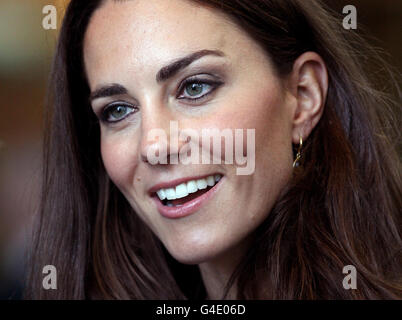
[[26, 50]]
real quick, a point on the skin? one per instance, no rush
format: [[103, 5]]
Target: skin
[[127, 43]]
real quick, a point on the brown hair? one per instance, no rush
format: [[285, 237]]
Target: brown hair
[[342, 207]]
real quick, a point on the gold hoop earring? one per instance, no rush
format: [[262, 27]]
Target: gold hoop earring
[[298, 155]]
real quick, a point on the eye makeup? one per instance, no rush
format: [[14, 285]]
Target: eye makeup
[[197, 82], [117, 111]]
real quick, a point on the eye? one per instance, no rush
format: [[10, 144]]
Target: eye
[[117, 112], [194, 89]]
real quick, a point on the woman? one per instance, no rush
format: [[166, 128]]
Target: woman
[[325, 191]]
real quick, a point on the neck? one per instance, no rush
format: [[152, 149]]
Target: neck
[[216, 272]]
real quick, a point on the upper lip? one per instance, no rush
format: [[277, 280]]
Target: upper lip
[[173, 183]]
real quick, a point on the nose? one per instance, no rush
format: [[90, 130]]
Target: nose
[[160, 136]]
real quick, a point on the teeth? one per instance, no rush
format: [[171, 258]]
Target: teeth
[[161, 194], [192, 186], [182, 190], [170, 193], [211, 181], [202, 184]]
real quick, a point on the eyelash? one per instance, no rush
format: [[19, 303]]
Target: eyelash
[[192, 80], [214, 85], [109, 108]]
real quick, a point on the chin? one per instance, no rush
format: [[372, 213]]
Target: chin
[[194, 252]]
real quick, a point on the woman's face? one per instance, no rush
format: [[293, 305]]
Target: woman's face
[[126, 44]]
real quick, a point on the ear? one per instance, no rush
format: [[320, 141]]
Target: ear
[[308, 83]]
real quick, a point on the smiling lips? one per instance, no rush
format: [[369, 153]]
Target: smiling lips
[[186, 197]]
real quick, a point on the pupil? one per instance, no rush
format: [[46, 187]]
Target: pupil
[[119, 110], [195, 88]]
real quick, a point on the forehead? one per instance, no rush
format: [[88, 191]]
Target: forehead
[[162, 21], [151, 32]]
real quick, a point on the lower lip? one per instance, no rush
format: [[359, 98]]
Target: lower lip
[[189, 207]]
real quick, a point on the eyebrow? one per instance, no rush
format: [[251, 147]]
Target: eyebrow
[[162, 75], [107, 91], [170, 70]]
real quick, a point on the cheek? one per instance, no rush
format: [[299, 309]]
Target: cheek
[[119, 159], [271, 118], [267, 111], [274, 144], [264, 110]]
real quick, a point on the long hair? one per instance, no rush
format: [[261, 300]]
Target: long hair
[[341, 207]]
